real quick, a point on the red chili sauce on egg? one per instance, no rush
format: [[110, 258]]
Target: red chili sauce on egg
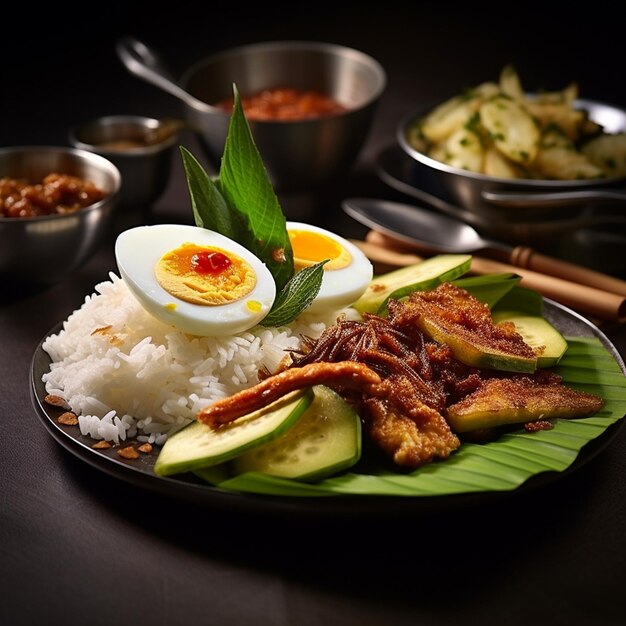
[[285, 103], [213, 262], [56, 194]]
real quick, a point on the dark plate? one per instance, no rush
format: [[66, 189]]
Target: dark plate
[[140, 472]]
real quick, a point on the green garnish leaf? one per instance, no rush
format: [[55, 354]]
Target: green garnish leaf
[[241, 204], [522, 299], [210, 209], [490, 288], [297, 295], [246, 185]]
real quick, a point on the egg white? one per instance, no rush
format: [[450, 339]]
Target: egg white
[[137, 250], [343, 286]]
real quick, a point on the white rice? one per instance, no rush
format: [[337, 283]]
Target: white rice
[[126, 374]]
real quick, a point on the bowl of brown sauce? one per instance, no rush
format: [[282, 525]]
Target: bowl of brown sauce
[[309, 105], [56, 209]]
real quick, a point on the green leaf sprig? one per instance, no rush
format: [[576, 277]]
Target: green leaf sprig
[[298, 294], [240, 203]]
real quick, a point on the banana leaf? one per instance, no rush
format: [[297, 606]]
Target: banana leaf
[[500, 465]]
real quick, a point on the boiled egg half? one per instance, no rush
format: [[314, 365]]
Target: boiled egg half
[[195, 279], [347, 273]]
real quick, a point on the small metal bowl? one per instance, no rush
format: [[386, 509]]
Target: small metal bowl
[[515, 200], [40, 251], [141, 148], [298, 154]]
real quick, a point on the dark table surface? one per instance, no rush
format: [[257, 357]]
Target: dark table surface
[[78, 546]]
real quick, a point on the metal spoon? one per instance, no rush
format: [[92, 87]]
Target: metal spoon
[[417, 226], [143, 62], [440, 233]]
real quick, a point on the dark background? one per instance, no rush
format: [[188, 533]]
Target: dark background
[[81, 547], [59, 66]]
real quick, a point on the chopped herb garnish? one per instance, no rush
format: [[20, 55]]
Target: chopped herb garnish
[[473, 123]]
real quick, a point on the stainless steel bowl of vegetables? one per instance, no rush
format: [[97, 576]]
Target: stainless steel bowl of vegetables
[[510, 155]]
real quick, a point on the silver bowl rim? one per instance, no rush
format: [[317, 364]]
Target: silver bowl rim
[[102, 162], [531, 183], [150, 122], [290, 44]]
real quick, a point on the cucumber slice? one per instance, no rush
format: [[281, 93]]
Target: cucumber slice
[[474, 352], [323, 442], [538, 333], [418, 277], [326, 440], [199, 445]]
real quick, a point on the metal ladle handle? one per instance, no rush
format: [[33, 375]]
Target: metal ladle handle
[[551, 199], [145, 63]]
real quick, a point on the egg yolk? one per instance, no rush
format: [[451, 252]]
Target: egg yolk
[[311, 247], [204, 275]]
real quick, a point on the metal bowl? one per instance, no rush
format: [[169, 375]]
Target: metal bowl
[[39, 251], [513, 200], [298, 155], [141, 148]]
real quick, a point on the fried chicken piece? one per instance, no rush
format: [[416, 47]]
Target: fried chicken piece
[[407, 430], [520, 399], [341, 375]]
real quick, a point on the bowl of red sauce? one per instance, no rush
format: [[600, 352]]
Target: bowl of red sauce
[[56, 209], [310, 105]]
